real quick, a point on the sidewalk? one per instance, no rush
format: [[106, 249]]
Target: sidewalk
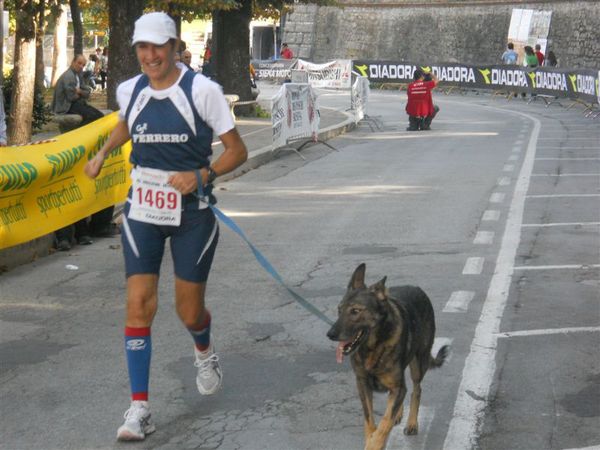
[[257, 136]]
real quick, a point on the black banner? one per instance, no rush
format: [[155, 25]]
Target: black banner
[[274, 70], [577, 83]]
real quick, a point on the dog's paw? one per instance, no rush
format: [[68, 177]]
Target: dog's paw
[[411, 430]]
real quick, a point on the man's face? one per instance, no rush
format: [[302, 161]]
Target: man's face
[[186, 57], [78, 64]]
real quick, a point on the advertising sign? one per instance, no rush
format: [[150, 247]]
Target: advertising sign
[[294, 114]]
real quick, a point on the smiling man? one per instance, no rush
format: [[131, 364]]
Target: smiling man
[[170, 114]]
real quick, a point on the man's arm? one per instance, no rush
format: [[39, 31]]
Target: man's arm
[[233, 156], [119, 136]]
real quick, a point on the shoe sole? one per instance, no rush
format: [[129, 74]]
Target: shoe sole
[[127, 436]]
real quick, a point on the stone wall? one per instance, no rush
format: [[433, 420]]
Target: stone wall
[[469, 32]]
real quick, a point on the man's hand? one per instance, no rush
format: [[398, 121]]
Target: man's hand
[[94, 166], [185, 182]]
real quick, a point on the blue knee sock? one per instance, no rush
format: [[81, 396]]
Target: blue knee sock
[[138, 349]]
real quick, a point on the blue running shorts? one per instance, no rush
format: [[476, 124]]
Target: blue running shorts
[[193, 244]]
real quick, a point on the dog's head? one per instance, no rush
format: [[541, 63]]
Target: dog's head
[[359, 312]]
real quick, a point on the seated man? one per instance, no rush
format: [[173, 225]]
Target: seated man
[[71, 92], [420, 107]]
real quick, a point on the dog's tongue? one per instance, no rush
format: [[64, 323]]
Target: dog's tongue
[[339, 352]]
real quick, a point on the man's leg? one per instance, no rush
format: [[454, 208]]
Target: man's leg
[[413, 123], [101, 222], [142, 303], [87, 112], [63, 237], [189, 302], [82, 232]]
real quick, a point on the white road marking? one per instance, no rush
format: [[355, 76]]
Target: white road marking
[[519, 142], [568, 159], [561, 224], [473, 266], [565, 175], [562, 195], [570, 139], [459, 301], [593, 447], [480, 364], [491, 215], [508, 167], [543, 147], [513, 157], [484, 237], [509, 334], [559, 267], [497, 197], [503, 181]]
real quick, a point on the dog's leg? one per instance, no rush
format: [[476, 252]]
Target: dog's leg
[[393, 413], [366, 398], [417, 371]]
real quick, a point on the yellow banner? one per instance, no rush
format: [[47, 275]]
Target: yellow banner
[[43, 187]]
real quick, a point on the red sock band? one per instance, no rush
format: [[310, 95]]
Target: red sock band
[[141, 396], [132, 331]]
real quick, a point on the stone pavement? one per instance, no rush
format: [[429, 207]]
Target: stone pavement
[[257, 135]]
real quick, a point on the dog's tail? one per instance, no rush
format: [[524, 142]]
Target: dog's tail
[[441, 356]]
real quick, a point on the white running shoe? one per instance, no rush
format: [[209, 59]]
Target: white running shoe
[[138, 423], [209, 372]]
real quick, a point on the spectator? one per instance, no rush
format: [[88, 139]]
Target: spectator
[[196, 108], [90, 71], [509, 56], [550, 60], [207, 64], [539, 55], [186, 59], [70, 94], [103, 67], [531, 59], [420, 107], [3, 139], [286, 52]]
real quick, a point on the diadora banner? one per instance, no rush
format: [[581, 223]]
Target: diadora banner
[[294, 114], [43, 187], [580, 83]]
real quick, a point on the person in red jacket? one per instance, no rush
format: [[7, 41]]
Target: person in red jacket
[[420, 107], [539, 54], [286, 52]]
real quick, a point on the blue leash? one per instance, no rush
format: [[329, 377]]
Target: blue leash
[[262, 260]]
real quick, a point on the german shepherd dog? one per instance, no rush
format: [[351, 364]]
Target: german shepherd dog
[[384, 331]]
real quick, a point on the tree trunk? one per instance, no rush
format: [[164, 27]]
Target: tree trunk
[[59, 54], [232, 50], [39, 46], [122, 62], [77, 27], [3, 33], [21, 105]]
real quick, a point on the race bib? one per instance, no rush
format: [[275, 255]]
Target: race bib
[[153, 199]]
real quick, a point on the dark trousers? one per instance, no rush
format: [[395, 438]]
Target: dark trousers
[[99, 223], [422, 123], [88, 112]]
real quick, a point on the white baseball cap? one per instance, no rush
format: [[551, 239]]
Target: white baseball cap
[[155, 28]]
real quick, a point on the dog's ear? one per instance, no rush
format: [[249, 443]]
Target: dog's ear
[[358, 278], [379, 289]]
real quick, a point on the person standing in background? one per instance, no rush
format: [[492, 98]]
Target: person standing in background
[[286, 52], [509, 56], [550, 60], [539, 55]]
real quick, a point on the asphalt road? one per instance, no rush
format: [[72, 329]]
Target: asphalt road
[[495, 213]]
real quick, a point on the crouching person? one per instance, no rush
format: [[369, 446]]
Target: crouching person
[[420, 108]]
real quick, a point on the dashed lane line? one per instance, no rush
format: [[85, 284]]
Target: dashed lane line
[[548, 331], [480, 364], [459, 301]]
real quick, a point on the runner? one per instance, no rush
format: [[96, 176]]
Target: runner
[[170, 114]]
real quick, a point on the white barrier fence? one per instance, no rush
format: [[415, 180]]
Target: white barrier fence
[[359, 99], [294, 114]]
